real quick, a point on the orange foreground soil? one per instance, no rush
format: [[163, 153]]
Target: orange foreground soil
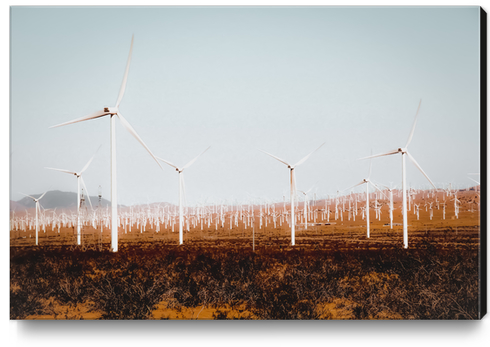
[[338, 309]]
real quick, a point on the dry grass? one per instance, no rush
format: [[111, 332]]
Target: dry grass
[[311, 281]]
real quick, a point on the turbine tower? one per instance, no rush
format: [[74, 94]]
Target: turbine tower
[[293, 186], [112, 112], [404, 152]]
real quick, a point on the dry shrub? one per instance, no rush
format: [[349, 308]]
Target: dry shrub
[[423, 282]]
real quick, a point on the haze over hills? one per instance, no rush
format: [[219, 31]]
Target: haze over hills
[[55, 199], [67, 200], [64, 200]]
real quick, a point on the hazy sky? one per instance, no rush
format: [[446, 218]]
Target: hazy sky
[[280, 79]]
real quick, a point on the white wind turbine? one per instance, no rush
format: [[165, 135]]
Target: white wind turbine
[[79, 181], [404, 152], [476, 188], [36, 200], [368, 182], [391, 204], [293, 186], [305, 207], [306, 203], [182, 190], [112, 112]]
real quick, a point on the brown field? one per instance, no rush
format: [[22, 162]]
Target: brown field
[[333, 272]]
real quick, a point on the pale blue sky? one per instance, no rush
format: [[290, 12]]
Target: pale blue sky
[[241, 79]]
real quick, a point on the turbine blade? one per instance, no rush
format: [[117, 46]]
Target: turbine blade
[[86, 192], [418, 166], [42, 195], [355, 185], [167, 162], [125, 78], [474, 180], [395, 151], [273, 156], [66, 171], [33, 198], [384, 185], [304, 159], [375, 186], [136, 136], [413, 126], [193, 160], [370, 165], [86, 165], [313, 186], [81, 119]]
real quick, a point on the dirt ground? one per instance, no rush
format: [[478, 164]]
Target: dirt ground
[[449, 228]]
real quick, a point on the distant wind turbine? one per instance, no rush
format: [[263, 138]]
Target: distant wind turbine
[[404, 152], [182, 190], [368, 182], [293, 186], [37, 211], [306, 203], [114, 111], [476, 188], [391, 204], [79, 180]]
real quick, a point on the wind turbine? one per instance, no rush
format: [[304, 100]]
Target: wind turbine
[[37, 210], [293, 186], [368, 182], [305, 207], [306, 203], [404, 152], [182, 190], [79, 180], [391, 204], [476, 188], [112, 112]]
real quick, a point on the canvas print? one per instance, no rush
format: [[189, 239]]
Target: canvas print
[[255, 163]]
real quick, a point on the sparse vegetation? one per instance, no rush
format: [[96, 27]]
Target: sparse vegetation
[[423, 282]]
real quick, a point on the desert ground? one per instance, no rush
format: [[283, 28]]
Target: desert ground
[[247, 268]]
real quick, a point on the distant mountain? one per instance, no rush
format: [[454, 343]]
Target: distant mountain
[[15, 206], [55, 199]]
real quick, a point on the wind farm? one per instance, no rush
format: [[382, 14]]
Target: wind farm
[[144, 248]]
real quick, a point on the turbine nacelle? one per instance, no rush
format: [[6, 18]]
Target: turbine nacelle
[[111, 110], [402, 150]]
